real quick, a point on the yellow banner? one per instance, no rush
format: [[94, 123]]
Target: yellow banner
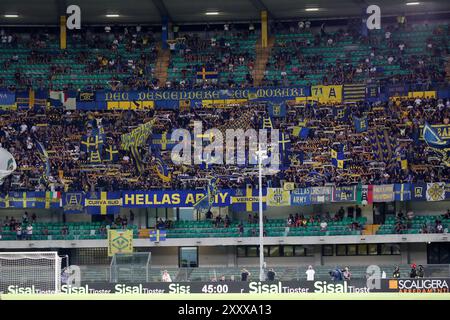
[[62, 32], [288, 186], [130, 105], [137, 137], [422, 94], [278, 197], [120, 241], [264, 29], [327, 94]]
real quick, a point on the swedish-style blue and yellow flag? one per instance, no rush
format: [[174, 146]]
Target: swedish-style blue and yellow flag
[[4, 201], [361, 124], [103, 202], [111, 154], [402, 191], [248, 199], [158, 235], [47, 199], [22, 199], [162, 141]]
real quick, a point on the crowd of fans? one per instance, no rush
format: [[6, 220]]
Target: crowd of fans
[[405, 222], [299, 220], [23, 228], [61, 132], [127, 55], [293, 59]]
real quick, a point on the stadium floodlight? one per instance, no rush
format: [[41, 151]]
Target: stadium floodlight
[[212, 13], [311, 9], [30, 272], [112, 15], [262, 155], [11, 16], [412, 3]]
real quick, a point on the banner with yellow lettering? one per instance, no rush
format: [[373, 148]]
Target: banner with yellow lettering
[[170, 198], [120, 241], [130, 105]]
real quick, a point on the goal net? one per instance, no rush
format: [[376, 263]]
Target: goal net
[[30, 272], [130, 267]]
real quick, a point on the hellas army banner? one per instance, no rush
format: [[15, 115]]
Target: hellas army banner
[[167, 199], [120, 241], [105, 203]]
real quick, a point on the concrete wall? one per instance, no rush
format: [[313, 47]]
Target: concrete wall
[[428, 208], [164, 257], [213, 256]]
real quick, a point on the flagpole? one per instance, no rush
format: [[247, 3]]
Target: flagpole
[[261, 228]]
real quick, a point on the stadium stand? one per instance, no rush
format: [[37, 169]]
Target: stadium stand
[[92, 60], [352, 109]]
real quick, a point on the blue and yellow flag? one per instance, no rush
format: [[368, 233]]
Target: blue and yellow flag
[[158, 235], [48, 199], [206, 73], [435, 142], [277, 109], [73, 202], [111, 154], [206, 202], [361, 124], [103, 202], [4, 201], [22, 199], [161, 168], [433, 139], [340, 113], [163, 141], [248, 200], [337, 157], [402, 191], [44, 157], [301, 131]]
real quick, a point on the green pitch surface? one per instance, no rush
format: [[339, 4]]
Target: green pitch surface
[[233, 296]]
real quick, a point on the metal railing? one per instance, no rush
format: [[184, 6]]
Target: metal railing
[[101, 273]]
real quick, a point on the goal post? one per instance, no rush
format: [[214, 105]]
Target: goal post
[[30, 272], [130, 267]]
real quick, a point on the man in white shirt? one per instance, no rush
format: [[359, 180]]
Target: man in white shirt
[[166, 276], [29, 232], [310, 274]]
